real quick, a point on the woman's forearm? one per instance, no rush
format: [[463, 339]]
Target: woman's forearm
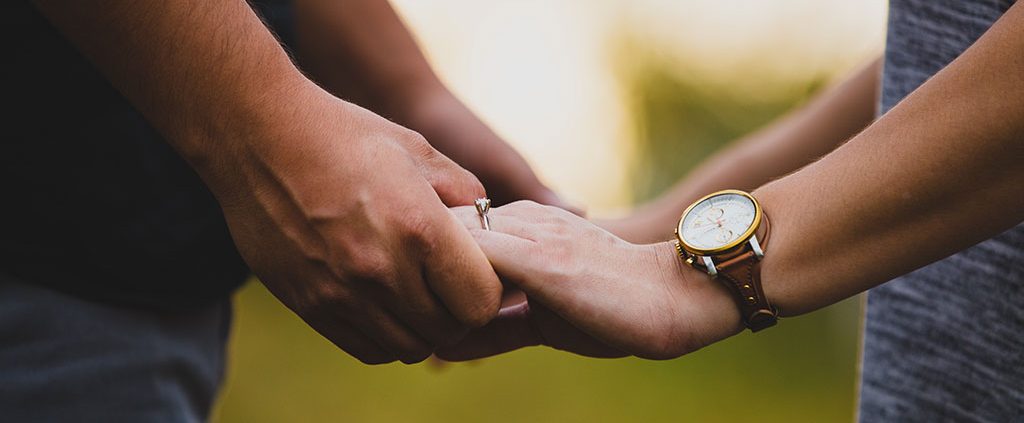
[[941, 171], [792, 142], [360, 50]]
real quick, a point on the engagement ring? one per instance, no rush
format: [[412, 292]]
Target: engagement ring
[[483, 205]]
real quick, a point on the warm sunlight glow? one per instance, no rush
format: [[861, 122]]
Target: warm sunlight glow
[[541, 74]]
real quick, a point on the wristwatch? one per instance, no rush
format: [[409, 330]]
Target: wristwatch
[[725, 234]]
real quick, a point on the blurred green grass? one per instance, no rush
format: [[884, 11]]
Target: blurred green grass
[[801, 371], [681, 116], [282, 371]]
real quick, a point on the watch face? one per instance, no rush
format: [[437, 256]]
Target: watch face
[[718, 222]]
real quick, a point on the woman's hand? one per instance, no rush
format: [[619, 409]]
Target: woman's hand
[[590, 292]]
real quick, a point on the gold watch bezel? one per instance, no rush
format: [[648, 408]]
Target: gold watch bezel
[[738, 242]]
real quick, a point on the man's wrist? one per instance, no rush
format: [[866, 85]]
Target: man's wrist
[[291, 120], [242, 115]]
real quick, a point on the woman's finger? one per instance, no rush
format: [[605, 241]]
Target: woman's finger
[[519, 223], [515, 259]]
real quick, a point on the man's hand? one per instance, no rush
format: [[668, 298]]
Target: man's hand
[[590, 292], [340, 213], [338, 216]]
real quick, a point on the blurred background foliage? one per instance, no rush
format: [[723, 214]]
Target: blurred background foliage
[[680, 117], [611, 110]]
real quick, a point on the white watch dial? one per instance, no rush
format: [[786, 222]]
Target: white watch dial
[[718, 221]]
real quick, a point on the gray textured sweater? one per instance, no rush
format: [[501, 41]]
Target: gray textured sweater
[[945, 343]]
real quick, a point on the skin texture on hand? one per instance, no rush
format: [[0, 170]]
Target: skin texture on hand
[[590, 292], [341, 213], [352, 232]]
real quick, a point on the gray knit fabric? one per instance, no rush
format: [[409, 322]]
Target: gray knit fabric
[[945, 343]]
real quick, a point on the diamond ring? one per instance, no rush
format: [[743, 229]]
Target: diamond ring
[[483, 205]]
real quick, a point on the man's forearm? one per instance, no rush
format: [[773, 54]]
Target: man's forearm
[[792, 142], [939, 172]]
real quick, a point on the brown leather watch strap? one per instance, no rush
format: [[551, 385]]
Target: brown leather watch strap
[[742, 275]]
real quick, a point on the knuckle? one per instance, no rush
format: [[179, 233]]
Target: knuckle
[[416, 143], [328, 296], [370, 265], [460, 182], [417, 231], [319, 302], [482, 311], [473, 184]]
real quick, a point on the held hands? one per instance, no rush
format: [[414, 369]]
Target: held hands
[[590, 292], [342, 215]]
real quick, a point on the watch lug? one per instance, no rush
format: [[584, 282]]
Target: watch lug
[[756, 247], [709, 265]]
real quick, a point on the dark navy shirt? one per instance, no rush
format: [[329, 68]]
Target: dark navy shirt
[[93, 201]]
